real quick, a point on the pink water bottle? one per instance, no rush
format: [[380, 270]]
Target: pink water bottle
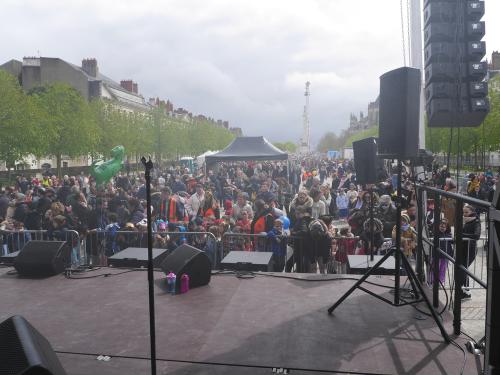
[[184, 283], [171, 282]]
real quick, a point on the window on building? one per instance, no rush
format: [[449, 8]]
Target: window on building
[[65, 164]]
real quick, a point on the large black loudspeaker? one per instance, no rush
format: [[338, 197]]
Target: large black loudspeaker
[[23, 350], [191, 261], [365, 160], [42, 258], [399, 113]]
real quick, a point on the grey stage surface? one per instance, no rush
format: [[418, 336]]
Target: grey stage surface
[[264, 321]]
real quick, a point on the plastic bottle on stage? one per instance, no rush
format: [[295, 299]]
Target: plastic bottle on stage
[[171, 278], [184, 283]]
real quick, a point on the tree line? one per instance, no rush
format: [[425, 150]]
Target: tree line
[[55, 120]]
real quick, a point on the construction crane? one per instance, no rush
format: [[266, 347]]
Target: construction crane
[[305, 143]]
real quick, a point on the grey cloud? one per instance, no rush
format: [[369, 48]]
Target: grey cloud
[[243, 61]]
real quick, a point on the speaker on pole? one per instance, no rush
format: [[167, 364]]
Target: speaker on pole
[[23, 350], [191, 261], [399, 113], [365, 160], [43, 258]]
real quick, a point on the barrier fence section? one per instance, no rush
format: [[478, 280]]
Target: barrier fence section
[[13, 241], [458, 260], [293, 253], [99, 245], [94, 247], [476, 252]]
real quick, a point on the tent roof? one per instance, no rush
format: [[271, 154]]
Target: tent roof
[[248, 148]]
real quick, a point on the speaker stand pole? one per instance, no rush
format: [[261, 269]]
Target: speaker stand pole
[[372, 236], [148, 165], [399, 258]]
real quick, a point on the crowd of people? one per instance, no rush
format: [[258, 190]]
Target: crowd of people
[[311, 214]]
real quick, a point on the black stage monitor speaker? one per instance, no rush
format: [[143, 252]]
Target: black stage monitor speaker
[[137, 257], [360, 264], [8, 259], [365, 160], [191, 261], [248, 261], [399, 113], [43, 258], [23, 350]]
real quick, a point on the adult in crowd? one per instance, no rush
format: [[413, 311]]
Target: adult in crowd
[[471, 232]]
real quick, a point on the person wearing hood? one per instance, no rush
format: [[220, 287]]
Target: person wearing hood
[[301, 200], [387, 214], [408, 236], [303, 255], [378, 237]]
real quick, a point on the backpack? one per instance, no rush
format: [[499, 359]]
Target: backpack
[[317, 229]]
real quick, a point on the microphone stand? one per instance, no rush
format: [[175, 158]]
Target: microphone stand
[[148, 166]]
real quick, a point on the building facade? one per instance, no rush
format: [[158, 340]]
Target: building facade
[[364, 122], [87, 79]]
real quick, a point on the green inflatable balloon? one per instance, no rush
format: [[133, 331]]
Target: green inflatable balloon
[[103, 171]]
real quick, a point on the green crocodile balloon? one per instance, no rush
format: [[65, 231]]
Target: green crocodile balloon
[[103, 171]]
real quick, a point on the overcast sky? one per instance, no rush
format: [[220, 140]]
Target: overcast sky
[[238, 60]]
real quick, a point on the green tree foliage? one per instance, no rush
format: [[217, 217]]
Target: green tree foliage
[[372, 132], [56, 120], [20, 119], [155, 133], [69, 120], [329, 141], [286, 146]]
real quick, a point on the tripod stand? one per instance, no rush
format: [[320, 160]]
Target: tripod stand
[[400, 259]]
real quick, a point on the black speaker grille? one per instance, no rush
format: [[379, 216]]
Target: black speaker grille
[[191, 261], [12, 357], [23, 350], [42, 258], [399, 113]]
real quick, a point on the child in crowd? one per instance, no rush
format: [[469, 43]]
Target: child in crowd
[[408, 236], [212, 245], [346, 245], [445, 244], [278, 245], [342, 201], [244, 222]]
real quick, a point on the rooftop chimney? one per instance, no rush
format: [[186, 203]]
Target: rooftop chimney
[[127, 85], [135, 89], [89, 66]]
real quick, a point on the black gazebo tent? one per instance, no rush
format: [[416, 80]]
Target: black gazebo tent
[[247, 148]]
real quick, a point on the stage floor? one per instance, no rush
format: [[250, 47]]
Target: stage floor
[[231, 326]]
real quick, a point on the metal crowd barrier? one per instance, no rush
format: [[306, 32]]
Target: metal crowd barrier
[[469, 265], [292, 253], [99, 244], [13, 241], [475, 257]]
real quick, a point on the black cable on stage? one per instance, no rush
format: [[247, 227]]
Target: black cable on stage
[[440, 312], [220, 363], [454, 343], [228, 272], [69, 276], [470, 337]]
